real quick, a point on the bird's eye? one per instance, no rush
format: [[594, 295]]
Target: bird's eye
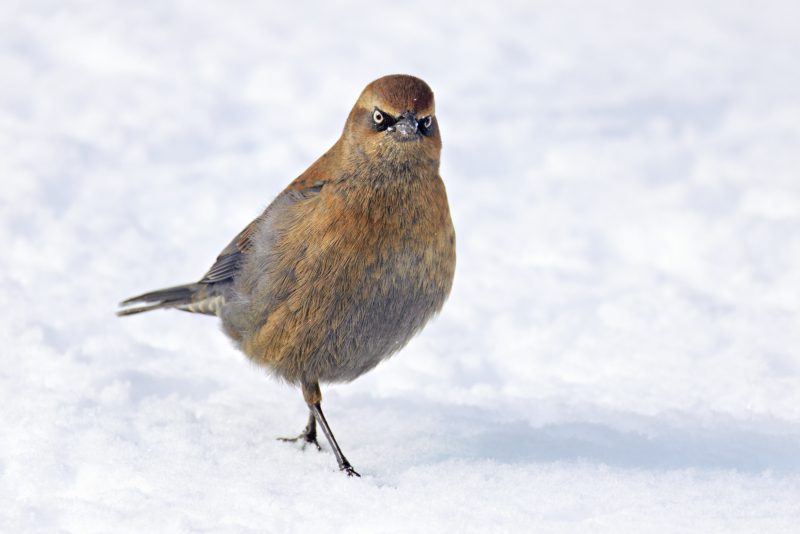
[[427, 121], [377, 116]]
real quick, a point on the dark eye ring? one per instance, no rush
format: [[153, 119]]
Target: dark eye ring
[[377, 116], [427, 121]]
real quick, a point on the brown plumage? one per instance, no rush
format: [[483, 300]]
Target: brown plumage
[[348, 263]]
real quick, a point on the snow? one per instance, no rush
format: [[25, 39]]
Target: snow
[[620, 350]]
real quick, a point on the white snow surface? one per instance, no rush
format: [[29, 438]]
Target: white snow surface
[[621, 349]]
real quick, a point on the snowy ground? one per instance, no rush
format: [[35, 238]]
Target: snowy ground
[[621, 350]]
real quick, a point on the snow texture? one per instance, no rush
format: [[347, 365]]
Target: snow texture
[[621, 349]]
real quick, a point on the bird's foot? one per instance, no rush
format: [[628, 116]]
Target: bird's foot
[[305, 439], [309, 435], [347, 468]]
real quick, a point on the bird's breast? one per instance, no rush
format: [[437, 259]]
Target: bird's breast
[[354, 275]]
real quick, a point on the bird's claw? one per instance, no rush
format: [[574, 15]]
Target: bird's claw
[[347, 468], [350, 471], [306, 440]]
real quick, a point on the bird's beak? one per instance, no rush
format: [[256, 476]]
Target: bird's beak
[[407, 125]]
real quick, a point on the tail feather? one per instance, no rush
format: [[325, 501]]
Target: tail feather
[[209, 306], [197, 298], [134, 311]]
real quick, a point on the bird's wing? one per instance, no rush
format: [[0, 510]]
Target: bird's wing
[[208, 295], [231, 256], [205, 296]]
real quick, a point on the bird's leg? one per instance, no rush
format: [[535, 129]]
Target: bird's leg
[[309, 434], [344, 465], [313, 397]]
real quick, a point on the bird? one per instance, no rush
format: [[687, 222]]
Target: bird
[[346, 264]]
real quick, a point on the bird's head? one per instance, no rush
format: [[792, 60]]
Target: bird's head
[[395, 119]]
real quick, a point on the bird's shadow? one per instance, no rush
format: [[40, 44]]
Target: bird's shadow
[[724, 448], [475, 433], [439, 431]]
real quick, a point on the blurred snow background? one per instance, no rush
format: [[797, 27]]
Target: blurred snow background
[[621, 350]]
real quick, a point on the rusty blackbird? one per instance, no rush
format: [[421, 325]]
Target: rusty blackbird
[[348, 263]]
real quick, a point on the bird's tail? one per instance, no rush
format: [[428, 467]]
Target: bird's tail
[[197, 298]]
